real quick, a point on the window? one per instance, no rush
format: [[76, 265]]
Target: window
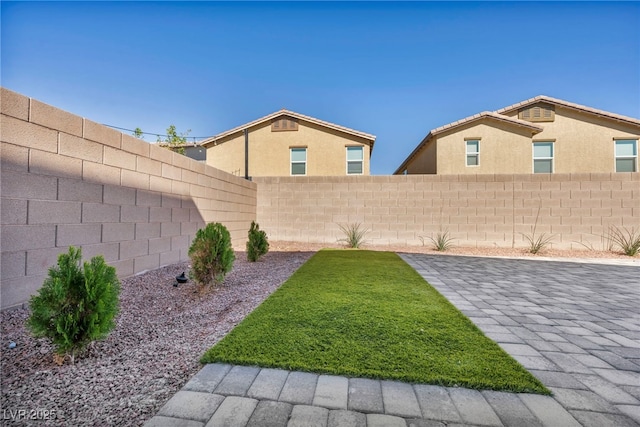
[[284, 124], [543, 157], [539, 113], [354, 160], [473, 153], [626, 155], [298, 161]]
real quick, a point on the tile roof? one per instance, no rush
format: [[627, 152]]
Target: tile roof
[[571, 105], [285, 112]]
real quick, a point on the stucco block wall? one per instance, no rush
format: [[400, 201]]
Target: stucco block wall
[[478, 210], [66, 180], [269, 152]]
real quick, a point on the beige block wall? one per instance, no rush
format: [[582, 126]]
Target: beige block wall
[[66, 180], [478, 210], [269, 152]]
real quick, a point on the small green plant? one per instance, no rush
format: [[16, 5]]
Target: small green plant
[[211, 254], [257, 245], [627, 240], [76, 304], [354, 235], [537, 243], [442, 242]]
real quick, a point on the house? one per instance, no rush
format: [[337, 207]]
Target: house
[[539, 135], [192, 150], [286, 143]]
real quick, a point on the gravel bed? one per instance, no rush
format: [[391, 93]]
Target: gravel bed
[[154, 350]]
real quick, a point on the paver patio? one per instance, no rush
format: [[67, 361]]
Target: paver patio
[[575, 326]]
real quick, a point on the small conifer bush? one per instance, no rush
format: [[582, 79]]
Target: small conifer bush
[[211, 254], [76, 305], [258, 244]]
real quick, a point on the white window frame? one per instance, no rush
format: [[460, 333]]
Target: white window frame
[[616, 157], [292, 162], [354, 161], [534, 158], [475, 153]]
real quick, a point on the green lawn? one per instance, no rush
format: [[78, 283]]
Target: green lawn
[[369, 314]]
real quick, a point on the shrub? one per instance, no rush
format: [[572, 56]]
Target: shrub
[[627, 240], [354, 235], [540, 242], [442, 242], [76, 304], [258, 244], [211, 254]]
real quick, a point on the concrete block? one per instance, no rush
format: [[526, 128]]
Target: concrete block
[[148, 166], [14, 157], [134, 179], [133, 248], [147, 230], [171, 257], [436, 404], [78, 234], [54, 212], [80, 148], [160, 245], [331, 392], [400, 399], [40, 260], [25, 237], [14, 104], [148, 198], [237, 381], [13, 264], [117, 195], [169, 229], [109, 251], [208, 378], [160, 421], [100, 212], [14, 211], [234, 411], [118, 158], [18, 290], [381, 420], [582, 399], [192, 405], [161, 154], [27, 134], [308, 416], [341, 418], [146, 263], [55, 118], [124, 268], [159, 184], [510, 409], [270, 414], [102, 134], [134, 213], [171, 172], [99, 173], [80, 191], [365, 395], [171, 201], [135, 145], [550, 412], [595, 419], [117, 232], [299, 388], [18, 185], [159, 214], [268, 384]]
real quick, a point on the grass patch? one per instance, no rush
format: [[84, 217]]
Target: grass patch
[[369, 314]]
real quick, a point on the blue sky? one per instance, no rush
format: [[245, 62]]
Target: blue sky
[[395, 70]]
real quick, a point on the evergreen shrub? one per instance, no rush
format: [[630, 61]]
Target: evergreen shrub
[[258, 244], [211, 254]]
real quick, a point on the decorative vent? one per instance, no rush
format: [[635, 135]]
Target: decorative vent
[[538, 113], [284, 124]]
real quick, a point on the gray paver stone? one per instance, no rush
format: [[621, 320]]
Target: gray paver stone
[[208, 378], [331, 392], [607, 390], [299, 388], [582, 400], [365, 395], [567, 362], [400, 399], [268, 384], [511, 410], [270, 414], [519, 349], [233, 412], [596, 419], [159, 421], [341, 418], [308, 416], [550, 412], [436, 404], [473, 407], [425, 423], [620, 377], [192, 405], [632, 411], [237, 381], [558, 379], [381, 420]]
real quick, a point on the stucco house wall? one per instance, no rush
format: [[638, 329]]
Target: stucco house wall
[[269, 151]]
